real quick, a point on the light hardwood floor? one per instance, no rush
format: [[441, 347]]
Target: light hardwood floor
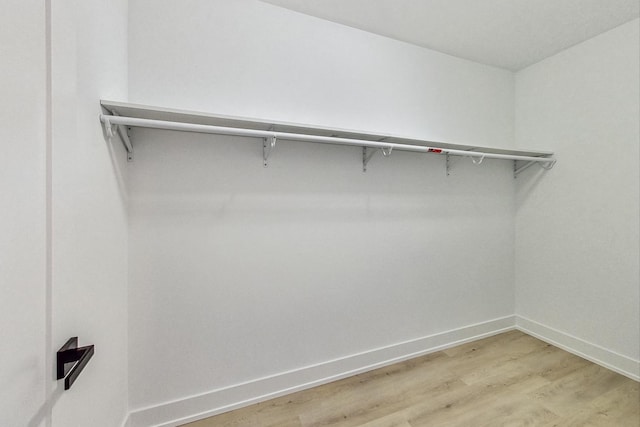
[[511, 379]]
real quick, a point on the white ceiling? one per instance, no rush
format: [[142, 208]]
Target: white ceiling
[[510, 34]]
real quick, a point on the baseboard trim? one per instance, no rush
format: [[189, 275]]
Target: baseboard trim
[[611, 360], [175, 413]]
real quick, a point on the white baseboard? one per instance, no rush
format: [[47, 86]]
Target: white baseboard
[[175, 413], [593, 352]]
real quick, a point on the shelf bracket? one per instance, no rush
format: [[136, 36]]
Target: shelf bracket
[[71, 360], [517, 170], [450, 160], [366, 157], [268, 144], [548, 165], [126, 141], [111, 129]]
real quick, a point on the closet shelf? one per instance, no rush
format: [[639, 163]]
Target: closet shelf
[[122, 116]]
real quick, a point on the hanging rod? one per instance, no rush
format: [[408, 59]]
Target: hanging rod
[[111, 120]]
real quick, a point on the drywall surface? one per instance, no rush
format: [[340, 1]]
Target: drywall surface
[[577, 225], [89, 209], [252, 59], [22, 214], [239, 272]]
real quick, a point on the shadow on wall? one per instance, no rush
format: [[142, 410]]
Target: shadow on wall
[[223, 177], [44, 412], [116, 153], [528, 181]]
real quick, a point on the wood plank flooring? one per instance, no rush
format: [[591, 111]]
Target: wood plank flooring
[[511, 379]]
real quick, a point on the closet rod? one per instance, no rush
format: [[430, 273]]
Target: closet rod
[[110, 120]]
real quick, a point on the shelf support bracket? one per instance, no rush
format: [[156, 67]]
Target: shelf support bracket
[[69, 354], [124, 137], [366, 157], [549, 165], [111, 129], [517, 170], [450, 160], [268, 144]]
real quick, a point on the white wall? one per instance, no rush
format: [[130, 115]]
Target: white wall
[[22, 214], [225, 254], [63, 194], [89, 288], [253, 59], [238, 272], [577, 227]]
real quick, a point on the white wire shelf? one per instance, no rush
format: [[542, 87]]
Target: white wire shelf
[[126, 115]]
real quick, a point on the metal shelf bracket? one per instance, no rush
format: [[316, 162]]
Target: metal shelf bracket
[[517, 170], [268, 144], [123, 131], [366, 157], [450, 160]]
